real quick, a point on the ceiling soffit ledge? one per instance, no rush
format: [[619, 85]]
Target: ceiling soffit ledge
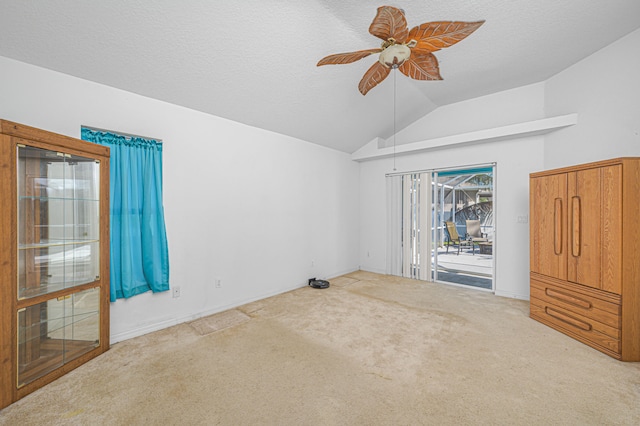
[[375, 149]]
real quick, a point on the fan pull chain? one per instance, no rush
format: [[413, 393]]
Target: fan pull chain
[[394, 116]]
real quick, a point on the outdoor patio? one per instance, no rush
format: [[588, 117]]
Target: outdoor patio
[[465, 268]]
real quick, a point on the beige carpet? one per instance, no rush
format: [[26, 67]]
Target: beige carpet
[[370, 350], [220, 321]]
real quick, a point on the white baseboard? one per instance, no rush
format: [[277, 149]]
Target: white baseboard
[[374, 270], [511, 295], [345, 272], [150, 328], [141, 331]]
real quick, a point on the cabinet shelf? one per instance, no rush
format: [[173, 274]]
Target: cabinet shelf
[[61, 243], [47, 198], [54, 353], [55, 326]]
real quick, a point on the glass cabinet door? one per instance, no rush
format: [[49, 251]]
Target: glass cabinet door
[[57, 331], [58, 221], [58, 249]]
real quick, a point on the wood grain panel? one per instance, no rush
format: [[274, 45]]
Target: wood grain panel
[[611, 254], [588, 306], [8, 250], [105, 260], [548, 231], [588, 331], [50, 140], [584, 263], [631, 264]]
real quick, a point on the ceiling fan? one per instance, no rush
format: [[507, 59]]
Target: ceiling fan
[[409, 51]]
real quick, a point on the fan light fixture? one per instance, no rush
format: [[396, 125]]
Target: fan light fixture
[[409, 51]]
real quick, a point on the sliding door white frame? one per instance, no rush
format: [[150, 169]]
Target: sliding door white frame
[[411, 199]]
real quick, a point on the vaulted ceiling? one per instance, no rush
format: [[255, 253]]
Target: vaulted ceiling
[[254, 61]]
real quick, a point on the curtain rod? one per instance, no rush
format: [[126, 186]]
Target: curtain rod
[[443, 169], [126, 135]]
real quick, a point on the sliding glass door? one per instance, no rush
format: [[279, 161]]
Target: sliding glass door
[[464, 231], [441, 225]]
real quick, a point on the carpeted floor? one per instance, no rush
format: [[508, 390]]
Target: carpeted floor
[[370, 350]]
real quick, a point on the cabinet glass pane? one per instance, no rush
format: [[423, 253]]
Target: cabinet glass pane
[[55, 332], [58, 221]]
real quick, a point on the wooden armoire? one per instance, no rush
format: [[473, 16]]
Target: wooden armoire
[[585, 254], [54, 256]]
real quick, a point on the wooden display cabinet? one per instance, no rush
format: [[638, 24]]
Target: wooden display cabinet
[[54, 252]]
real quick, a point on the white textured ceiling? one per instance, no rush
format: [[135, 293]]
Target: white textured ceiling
[[254, 61]]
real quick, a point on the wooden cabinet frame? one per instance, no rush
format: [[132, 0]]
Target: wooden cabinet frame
[[11, 136], [585, 245]]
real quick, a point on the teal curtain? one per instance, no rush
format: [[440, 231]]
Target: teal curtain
[[139, 251]]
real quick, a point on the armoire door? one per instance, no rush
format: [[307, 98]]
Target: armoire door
[[549, 237], [585, 206], [595, 227]]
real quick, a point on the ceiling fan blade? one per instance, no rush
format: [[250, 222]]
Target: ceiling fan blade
[[421, 67], [390, 23], [373, 77], [433, 36], [347, 58]]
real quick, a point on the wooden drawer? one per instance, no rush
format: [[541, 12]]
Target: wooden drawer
[[604, 308], [580, 314]]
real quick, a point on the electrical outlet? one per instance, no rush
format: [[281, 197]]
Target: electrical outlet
[[218, 283], [176, 292]]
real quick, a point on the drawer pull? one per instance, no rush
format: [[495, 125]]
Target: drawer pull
[[568, 298], [557, 227], [567, 319], [576, 246]]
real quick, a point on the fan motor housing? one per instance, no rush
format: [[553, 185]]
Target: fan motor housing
[[394, 55]]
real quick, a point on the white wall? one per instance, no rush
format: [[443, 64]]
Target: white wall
[[515, 160], [604, 89], [499, 109], [248, 206]]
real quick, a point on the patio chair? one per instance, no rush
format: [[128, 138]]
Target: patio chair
[[454, 238], [474, 233]]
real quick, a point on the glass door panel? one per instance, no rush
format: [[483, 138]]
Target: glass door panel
[[463, 198], [55, 332], [58, 221]]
